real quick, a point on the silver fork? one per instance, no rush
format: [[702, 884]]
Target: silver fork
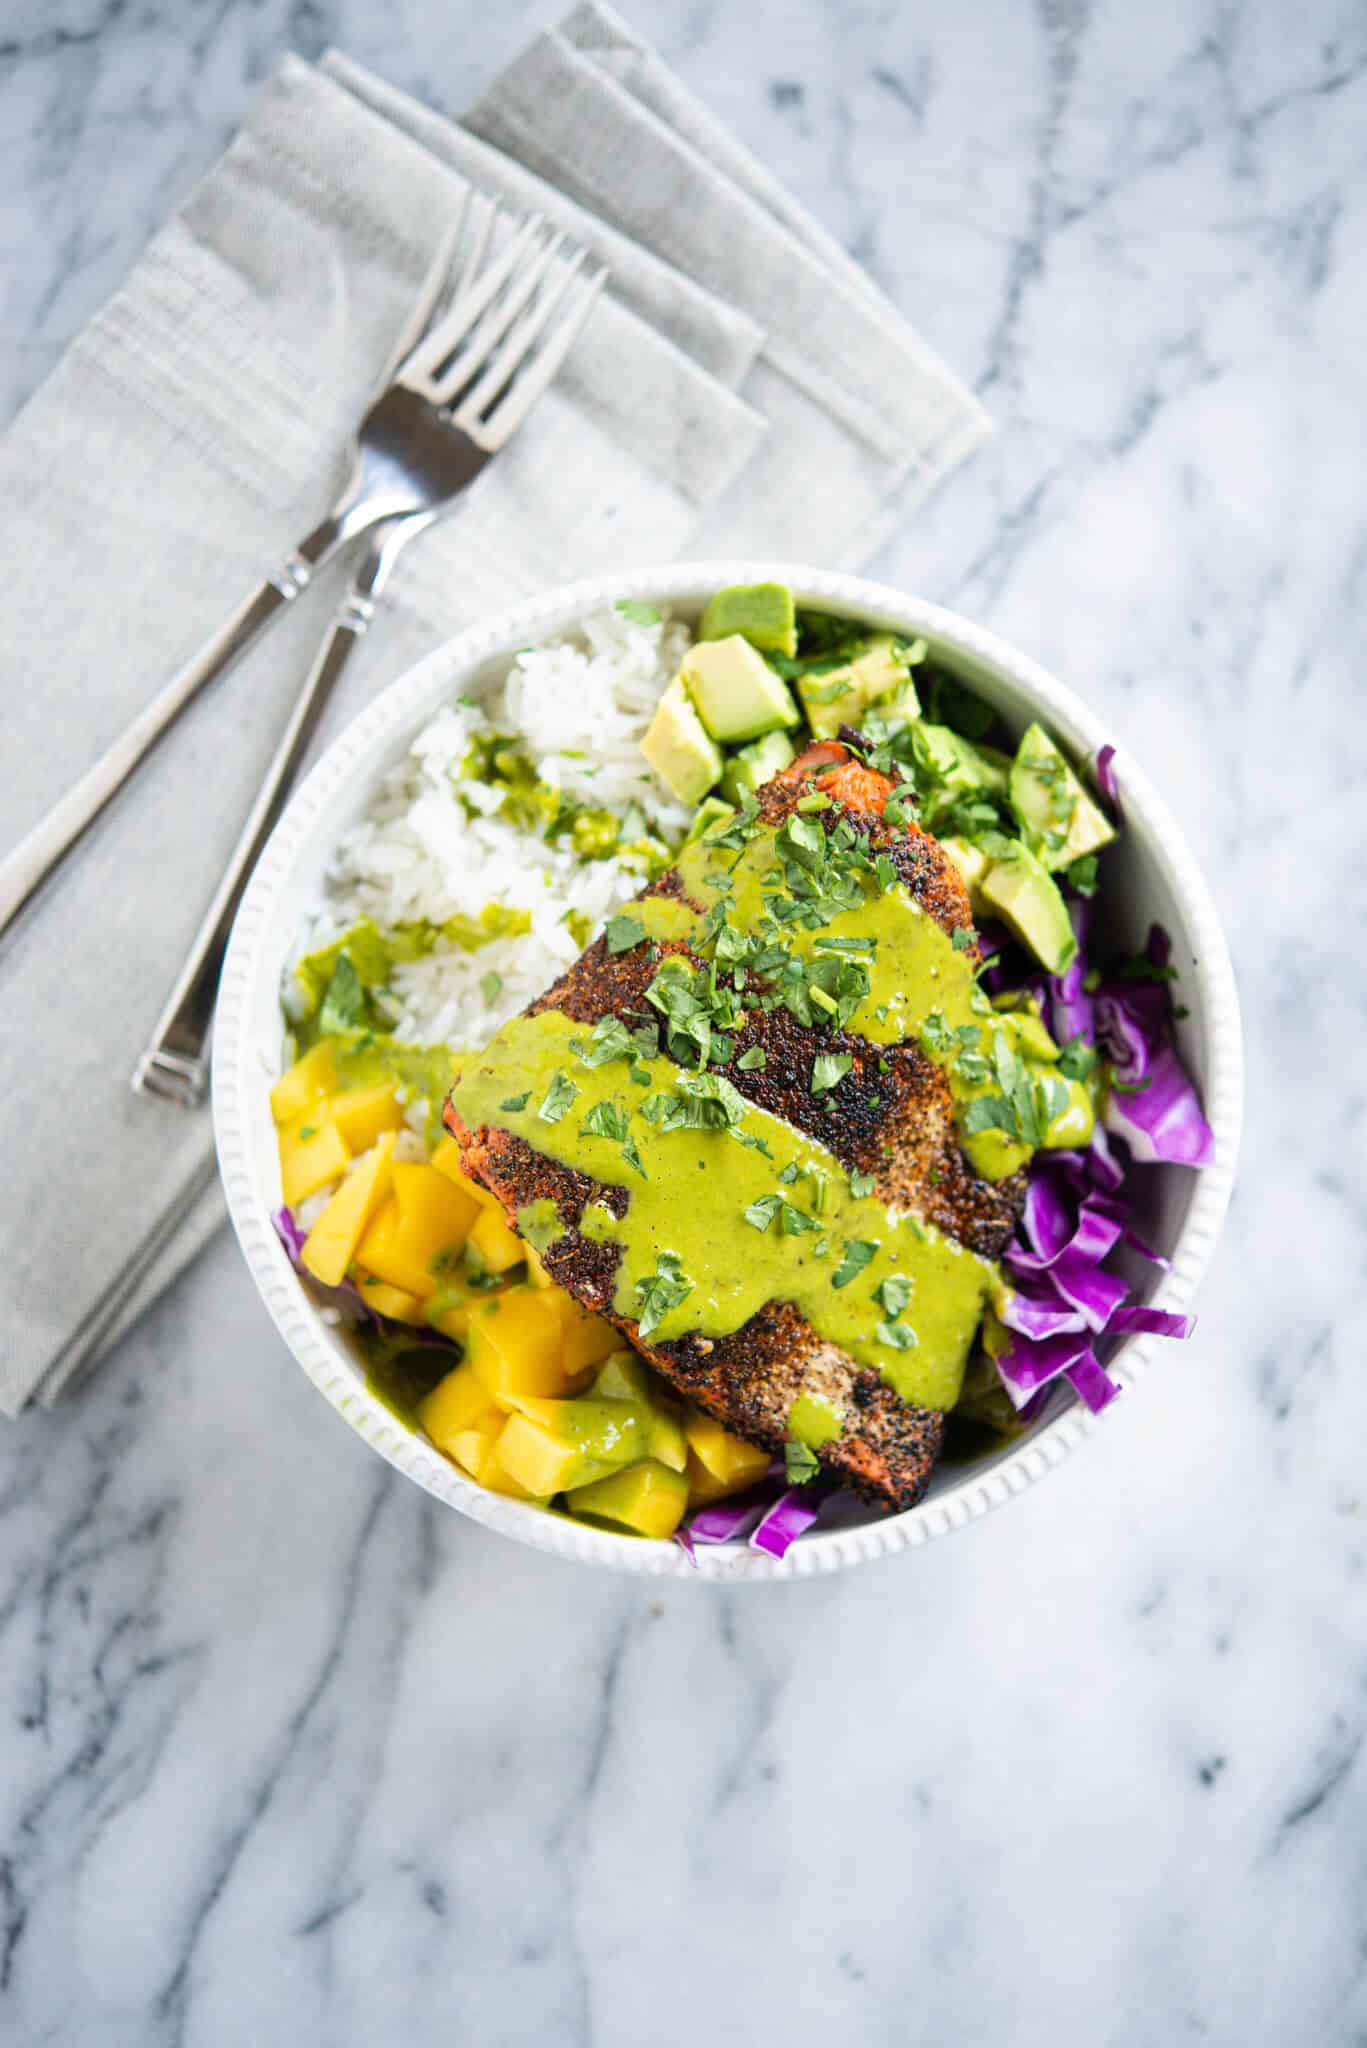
[[404, 460], [458, 398]]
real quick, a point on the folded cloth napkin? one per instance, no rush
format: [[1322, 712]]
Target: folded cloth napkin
[[741, 386]]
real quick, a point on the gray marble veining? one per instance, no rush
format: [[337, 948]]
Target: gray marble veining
[[288, 1754]]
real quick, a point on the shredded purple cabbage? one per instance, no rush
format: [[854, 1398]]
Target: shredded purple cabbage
[[290, 1235], [1076, 1211], [1105, 776], [791, 1513]]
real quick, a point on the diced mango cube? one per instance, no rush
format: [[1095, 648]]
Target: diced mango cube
[[515, 1343], [431, 1208], [536, 1271], [393, 1302], [331, 1245], [499, 1247], [648, 1498], [361, 1114], [570, 1443], [703, 1488], [383, 1253], [417, 1236], [312, 1152], [729, 1459], [305, 1083], [446, 1159], [456, 1404], [471, 1447], [587, 1340]]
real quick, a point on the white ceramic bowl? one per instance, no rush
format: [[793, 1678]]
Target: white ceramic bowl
[[1150, 876]]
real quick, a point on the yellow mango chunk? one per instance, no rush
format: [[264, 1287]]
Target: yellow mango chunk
[[417, 1236], [361, 1114], [536, 1271], [457, 1404], [703, 1488], [515, 1344], [394, 1302], [587, 1340], [471, 1447], [446, 1159], [498, 1246], [430, 1208], [306, 1082], [649, 1499], [331, 1245], [728, 1459], [312, 1152], [385, 1252], [578, 1441]]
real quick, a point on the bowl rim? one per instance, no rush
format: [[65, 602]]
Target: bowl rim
[[237, 1070]]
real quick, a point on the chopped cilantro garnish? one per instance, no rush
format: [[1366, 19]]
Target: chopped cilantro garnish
[[885, 871], [309, 1131], [762, 1211], [557, 1098], [861, 1184], [514, 1103], [858, 1252], [893, 1294], [633, 1157], [897, 1336], [752, 1060], [1077, 1059], [606, 1120], [623, 932], [636, 613], [609, 1040], [662, 1291], [794, 1222], [961, 938], [828, 1068], [490, 985], [788, 1176], [800, 1463]]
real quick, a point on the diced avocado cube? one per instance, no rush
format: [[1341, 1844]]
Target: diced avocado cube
[[649, 1499], [626, 1377], [734, 691], [972, 864], [762, 613], [710, 812], [876, 678], [1055, 811], [751, 767], [679, 748], [1027, 897]]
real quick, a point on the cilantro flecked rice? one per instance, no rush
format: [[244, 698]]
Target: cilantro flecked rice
[[441, 842]]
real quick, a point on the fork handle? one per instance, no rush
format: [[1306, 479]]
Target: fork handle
[[176, 1062], [54, 835]]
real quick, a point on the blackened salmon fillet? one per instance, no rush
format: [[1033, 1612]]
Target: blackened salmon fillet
[[890, 1116]]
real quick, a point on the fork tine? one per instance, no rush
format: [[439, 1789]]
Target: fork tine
[[429, 291], [471, 299], [498, 371], [531, 381], [475, 353]]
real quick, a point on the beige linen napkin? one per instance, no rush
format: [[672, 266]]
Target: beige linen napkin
[[199, 426]]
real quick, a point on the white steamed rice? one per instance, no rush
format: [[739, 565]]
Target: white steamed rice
[[578, 707]]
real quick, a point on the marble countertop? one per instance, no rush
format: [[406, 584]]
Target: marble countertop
[[289, 1753]]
